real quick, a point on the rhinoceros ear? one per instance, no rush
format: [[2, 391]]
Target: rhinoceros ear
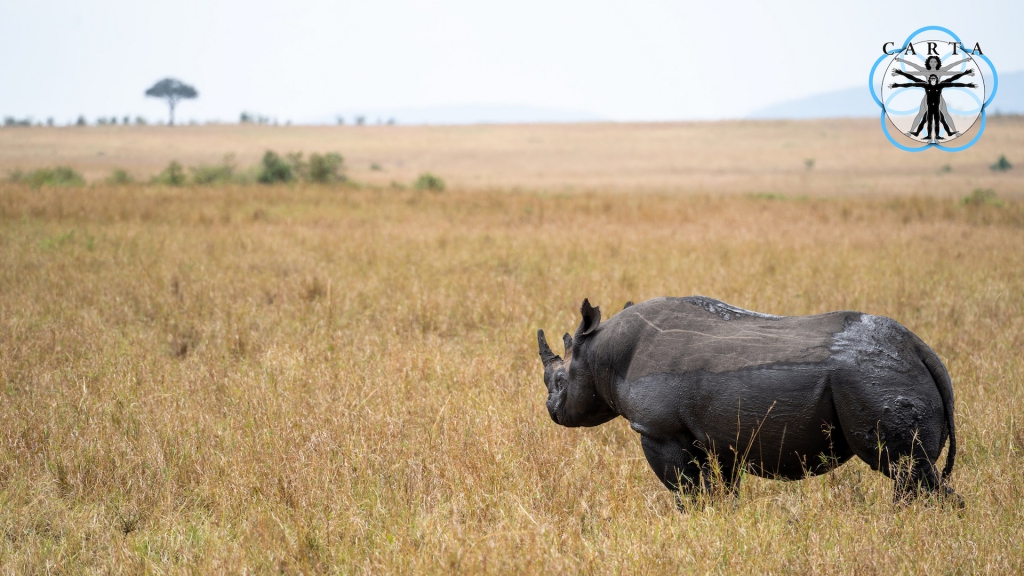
[[567, 342], [591, 320]]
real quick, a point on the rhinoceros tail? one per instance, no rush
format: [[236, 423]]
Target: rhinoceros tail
[[942, 381]]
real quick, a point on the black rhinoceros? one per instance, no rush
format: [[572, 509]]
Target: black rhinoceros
[[705, 383]]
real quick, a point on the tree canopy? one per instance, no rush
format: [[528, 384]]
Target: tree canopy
[[172, 90]]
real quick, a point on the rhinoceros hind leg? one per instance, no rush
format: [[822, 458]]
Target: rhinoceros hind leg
[[898, 431], [912, 478], [920, 478]]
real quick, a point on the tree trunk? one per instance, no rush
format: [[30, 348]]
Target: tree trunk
[[170, 104]]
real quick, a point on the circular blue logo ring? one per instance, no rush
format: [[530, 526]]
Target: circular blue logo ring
[[878, 101]]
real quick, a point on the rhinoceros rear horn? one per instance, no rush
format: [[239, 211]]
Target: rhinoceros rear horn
[[567, 343], [591, 320], [546, 355]]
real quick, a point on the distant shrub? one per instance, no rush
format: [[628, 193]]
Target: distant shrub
[[12, 121], [980, 197], [140, 121], [809, 163], [946, 169], [214, 174], [273, 169], [1001, 165], [58, 176], [81, 121], [252, 118], [173, 175], [375, 167], [428, 181], [300, 169], [768, 196], [326, 168], [119, 178]]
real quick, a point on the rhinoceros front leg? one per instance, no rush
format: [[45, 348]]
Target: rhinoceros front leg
[[682, 469]]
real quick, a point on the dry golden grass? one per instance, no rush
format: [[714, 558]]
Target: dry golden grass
[[316, 379]]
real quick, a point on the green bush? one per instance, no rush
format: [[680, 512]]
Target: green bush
[[326, 168], [428, 181], [273, 169], [214, 174], [299, 167], [58, 176], [119, 178], [980, 197], [1001, 165], [173, 175]]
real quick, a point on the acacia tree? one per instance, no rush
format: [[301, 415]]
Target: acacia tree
[[172, 90]]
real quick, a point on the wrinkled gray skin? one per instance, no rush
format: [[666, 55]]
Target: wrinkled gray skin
[[786, 397]]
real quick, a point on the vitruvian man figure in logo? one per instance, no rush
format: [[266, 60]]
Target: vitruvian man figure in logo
[[933, 99], [933, 65]]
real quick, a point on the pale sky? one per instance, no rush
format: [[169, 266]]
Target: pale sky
[[307, 60]]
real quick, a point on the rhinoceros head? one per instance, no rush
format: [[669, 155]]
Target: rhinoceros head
[[572, 393]]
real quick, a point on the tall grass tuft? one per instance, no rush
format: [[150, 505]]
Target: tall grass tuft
[[119, 177], [326, 168], [427, 181], [222, 173], [57, 176], [981, 197], [172, 175], [274, 169]]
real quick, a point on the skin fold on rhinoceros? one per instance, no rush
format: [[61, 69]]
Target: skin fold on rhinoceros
[[713, 389]]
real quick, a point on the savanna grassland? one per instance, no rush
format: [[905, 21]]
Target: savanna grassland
[[344, 379], [847, 157]]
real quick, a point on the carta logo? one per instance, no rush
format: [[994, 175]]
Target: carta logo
[[933, 91]]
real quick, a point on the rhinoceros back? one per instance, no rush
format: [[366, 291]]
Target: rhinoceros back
[[679, 335]]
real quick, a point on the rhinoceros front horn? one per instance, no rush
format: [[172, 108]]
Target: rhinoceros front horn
[[546, 355]]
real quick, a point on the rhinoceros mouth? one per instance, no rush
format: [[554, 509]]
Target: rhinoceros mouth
[[555, 402]]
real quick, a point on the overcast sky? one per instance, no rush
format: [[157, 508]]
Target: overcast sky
[[306, 60]]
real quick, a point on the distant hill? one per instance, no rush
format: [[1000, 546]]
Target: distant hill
[[857, 102]]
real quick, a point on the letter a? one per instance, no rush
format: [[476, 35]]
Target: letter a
[[910, 50], [977, 49]]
